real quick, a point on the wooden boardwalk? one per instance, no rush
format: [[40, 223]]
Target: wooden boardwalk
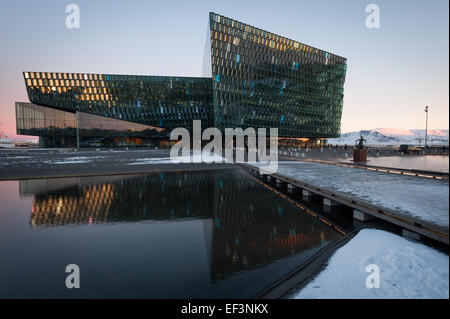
[[413, 227]]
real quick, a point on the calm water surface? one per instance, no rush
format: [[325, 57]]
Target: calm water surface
[[169, 235], [438, 163]]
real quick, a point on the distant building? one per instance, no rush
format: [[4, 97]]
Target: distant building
[[5, 142], [251, 78]]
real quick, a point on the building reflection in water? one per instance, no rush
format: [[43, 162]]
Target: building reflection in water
[[245, 225]]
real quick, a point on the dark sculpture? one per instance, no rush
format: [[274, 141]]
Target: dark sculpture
[[360, 143]]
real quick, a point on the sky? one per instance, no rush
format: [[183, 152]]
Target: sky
[[393, 71]]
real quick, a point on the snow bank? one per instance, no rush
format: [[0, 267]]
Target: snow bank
[[407, 270]]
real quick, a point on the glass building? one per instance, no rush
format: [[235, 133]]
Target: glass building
[[57, 128], [251, 78], [261, 79]]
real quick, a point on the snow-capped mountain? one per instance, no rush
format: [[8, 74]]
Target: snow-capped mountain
[[392, 136]]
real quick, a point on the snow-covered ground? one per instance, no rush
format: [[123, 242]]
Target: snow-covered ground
[[406, 270], [38, 159], [101, 159], [420, 197], [74, 160], [204, 158]]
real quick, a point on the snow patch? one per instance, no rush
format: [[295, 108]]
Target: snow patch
[[407, 270], [66, 162], [73, 160], [13, 157], [181, 159]]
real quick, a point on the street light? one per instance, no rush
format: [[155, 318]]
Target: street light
[[426, 127]]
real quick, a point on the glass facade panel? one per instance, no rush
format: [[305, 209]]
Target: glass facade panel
[[36, 120], [95, 125], [264, 80], [59, 128], [132, 98]]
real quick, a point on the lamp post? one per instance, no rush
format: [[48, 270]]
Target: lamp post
[[426, 127]]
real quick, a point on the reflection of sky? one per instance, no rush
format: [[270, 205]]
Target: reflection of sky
[[393, 72], [427, 163]]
